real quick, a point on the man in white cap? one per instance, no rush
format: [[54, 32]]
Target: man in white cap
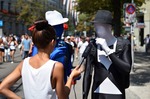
[[111, 59], [63, 50]]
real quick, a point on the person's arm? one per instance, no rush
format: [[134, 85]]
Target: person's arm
[[123, 64], [78, 47], [63, 90], [31, 46], [22, 48], [16, 43], [11, 79], [87, 77]]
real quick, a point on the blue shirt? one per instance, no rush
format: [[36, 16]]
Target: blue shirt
[[26, 43]]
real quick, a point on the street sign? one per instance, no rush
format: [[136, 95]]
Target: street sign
[[129, 13], [130, 9]]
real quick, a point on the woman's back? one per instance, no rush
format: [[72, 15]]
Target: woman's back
[[37, 81]]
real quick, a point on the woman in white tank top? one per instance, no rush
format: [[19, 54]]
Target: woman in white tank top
[[42, 78], [12, 44]]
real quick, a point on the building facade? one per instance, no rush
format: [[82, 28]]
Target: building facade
[[142, 30], [146, 11], [8, 16]]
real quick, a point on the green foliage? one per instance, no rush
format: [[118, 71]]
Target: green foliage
[[90, 7], [31, 10], [84, 22]]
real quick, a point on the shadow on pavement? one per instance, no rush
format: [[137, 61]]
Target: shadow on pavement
[[2, 67], [17, 61], [141, 74]]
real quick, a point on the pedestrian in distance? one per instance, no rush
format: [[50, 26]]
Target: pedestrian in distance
[[82, 46], [72, 38], [1, 50], [26, 46], [68, 40], [13, 45], [147, 43], [42, 77]]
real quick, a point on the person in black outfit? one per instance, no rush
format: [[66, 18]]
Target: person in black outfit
[[147, 43], [110, 59]]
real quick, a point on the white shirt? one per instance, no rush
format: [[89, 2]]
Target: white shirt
[[37, 82], [12, 45], [79, 44], [83, 46], [147, 39]]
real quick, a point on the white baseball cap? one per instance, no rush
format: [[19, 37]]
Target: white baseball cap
[[68, 37], [55, 18]]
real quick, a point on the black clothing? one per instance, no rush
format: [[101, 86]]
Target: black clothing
[[117, 74]]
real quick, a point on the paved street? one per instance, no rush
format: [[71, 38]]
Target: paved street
[[139, 80], [7, 67]]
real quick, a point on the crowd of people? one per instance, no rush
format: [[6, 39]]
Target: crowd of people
[[78, 44], [9, 45]]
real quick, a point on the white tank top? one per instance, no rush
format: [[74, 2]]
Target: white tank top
[[12, 45], [37, 82]]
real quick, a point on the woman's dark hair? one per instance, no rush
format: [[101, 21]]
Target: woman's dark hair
[[13, 38], [43, 34]]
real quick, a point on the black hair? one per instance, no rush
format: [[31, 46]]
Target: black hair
[[43, 34]]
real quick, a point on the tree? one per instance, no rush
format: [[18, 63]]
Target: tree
[[31, 10], [84, 23], [115, 6]]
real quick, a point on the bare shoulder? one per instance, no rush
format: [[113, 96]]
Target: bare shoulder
[[20, 65], [58, 70], [59, 66]]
